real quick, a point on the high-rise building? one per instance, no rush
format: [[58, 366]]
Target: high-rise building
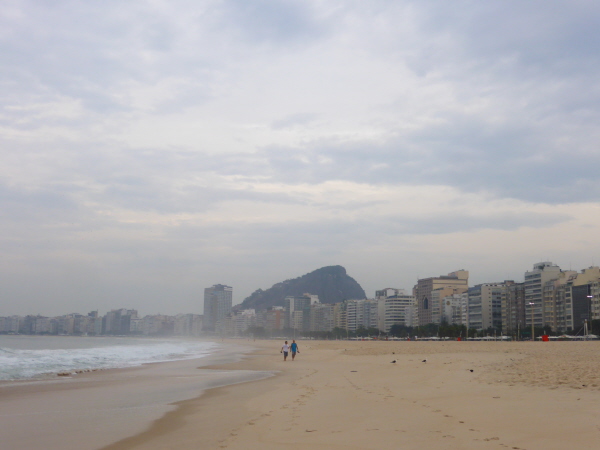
[[513, 307], [582, 299], [322, 317], [339, 315], [188, 325], [274, 318], [457, 282], [484, 308], [118, 321], [453, 309], [361, 314], [554, 300], [398, 310], [534, 281], [297, 311], [218, 301], [242, 321]]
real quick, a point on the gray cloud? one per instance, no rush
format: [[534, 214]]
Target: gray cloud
[[275, 22], [511, 161], [294, 120], [268, 106]]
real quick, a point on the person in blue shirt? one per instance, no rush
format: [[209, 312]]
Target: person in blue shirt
[[294, 349]]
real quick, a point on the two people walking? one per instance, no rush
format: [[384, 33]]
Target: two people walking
[[285, 349]]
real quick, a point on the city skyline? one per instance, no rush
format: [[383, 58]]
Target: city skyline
[[549, 299], [222, 289], [151, 149]]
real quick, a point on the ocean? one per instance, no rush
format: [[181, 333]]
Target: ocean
[[38, 357]]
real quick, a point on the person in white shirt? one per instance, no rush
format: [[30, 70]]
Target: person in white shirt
[[285, 349]]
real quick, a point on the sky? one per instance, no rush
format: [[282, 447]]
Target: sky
[[151, 149]]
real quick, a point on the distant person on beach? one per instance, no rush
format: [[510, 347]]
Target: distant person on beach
[[285, 349], [294, 349]]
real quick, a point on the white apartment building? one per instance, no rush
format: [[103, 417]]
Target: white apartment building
[[11, 324], [534, 281], [136, 325], [243, 320], [297, 311], [217, 305], [361, 313], [399, 309], [42, 325], [156, 324], [454, 309], [322, 317], [187, 325], [485, 306]]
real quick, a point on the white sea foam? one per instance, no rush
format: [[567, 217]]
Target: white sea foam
[[97, 353]]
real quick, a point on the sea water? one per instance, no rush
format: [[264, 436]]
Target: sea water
[[31, 357]]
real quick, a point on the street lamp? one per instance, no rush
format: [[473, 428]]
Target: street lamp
[[531, 304]]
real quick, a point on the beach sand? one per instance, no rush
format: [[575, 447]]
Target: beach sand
[[91, 410], [349, 395]]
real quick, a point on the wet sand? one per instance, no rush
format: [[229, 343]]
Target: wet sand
[[349, 395], [92, 410]]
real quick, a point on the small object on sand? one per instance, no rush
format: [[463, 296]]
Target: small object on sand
[[424, 360], [354, 371], [470, 370], [394, 362]]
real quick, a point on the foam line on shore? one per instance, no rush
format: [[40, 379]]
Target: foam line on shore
[[92, 410]]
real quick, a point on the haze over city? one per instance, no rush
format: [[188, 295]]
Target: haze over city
[[151, 149]]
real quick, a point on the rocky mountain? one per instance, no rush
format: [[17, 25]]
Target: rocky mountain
[[332, 284]]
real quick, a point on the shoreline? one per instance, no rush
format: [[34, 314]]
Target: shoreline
[[206, 434], [349, 394], [94, 409], [342, 394]]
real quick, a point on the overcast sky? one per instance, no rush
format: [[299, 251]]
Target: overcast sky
[[150, 149]]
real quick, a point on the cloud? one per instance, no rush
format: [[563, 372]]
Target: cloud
[[275, 22], [294, 120], [187, 143]]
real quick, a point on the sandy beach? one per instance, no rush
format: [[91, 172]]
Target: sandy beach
[[350, 395], [90, 410]]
